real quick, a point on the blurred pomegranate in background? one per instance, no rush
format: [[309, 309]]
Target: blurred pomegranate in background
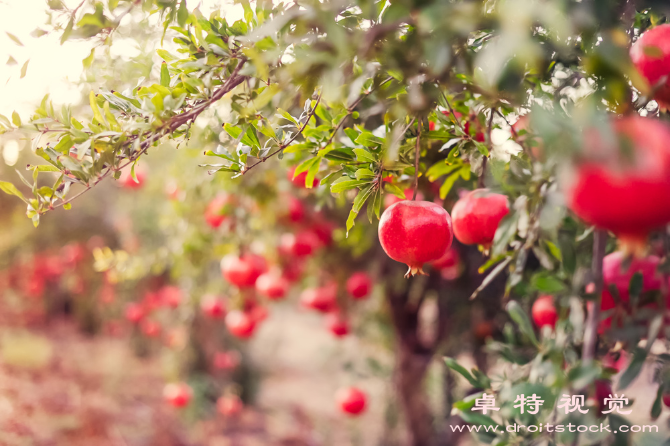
[[323, 298], [212, 307], [229, 405], [240, 324], [359, 285], [228, 360], [272, 285], [651, 56], [218, 209], [243, 271], [178, 394], [351, 400]]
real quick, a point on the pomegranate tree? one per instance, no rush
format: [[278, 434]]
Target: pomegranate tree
[[415, 232]]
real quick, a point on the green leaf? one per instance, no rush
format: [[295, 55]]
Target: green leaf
[[165, 55], [365, 174], [368, 139], [24, 69], [10, 189], [635, 285], [232, 130], [482, 148], [633, 369], [658, 403], [89, 59], [522, 321], [16, 119], [14, 38], [456, 367], [554, 250], [448, 184], [165, 75], [441, 168], [345, 183], [365, 156], [286, 115], [395, 190], [94, 107], [182, 13]]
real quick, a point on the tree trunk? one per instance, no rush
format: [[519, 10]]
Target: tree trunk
[[410, 379]]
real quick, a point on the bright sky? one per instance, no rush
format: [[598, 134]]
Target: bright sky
[[52, 67]]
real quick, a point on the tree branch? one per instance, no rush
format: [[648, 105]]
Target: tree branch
[[591, 332], [417, 156]]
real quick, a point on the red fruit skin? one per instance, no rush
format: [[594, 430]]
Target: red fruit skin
[[629, 197], [215, 213], [614, 275], [415, 232], [390, 199], [151, 328], [299, 180], [243, 271], [544, 312], [450, 259], [134, 313], [337, 325], [296, 210], [240, 324], [666, 399], [359, 285], [431, 125], [351, 400], [476, 217], [323, 299], [212, 307], [178, 394], [651, 56], [170, 296], [272, 285], [302, 244], [226, 360], [603, 389], [229, 406], [293, 269], [126, 179]]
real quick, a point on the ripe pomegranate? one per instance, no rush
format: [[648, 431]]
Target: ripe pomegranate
[[544, 312], [178, 394], [292, 270], [390, 199], [323, 299], [229, 405], [603, 389], [666, 399], [483, 330], [351, 400], [150, 328], [218, 209], [296, 210], [126, 179], [359, 285], [212, 307], [226, 360], [240, 324], [170, 296], [651, 56], [258, 313], [476, 217], [337, 325], [300, 179], [301, 245], [614, 275], [324, 232], [243, 271], [415, 232], [627, 190], [272, 285], [134, 312]]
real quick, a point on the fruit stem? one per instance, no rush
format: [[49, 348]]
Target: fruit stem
[[417, 156], [591, 332]]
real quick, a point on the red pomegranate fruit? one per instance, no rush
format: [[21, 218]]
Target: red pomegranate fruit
[[134, 312], [243, 271], [212, 307], [272, 285], [337, 325], [544, 312], [651, 56], [415, 232], [150, 328], [178, 394], [476, 217], [240, 324], [170, 296], [226, 360], [218, 209], [229, 405], [666, 399], [450, 259], [323, 299], [296, 210], [300, 179], [351, 400], [625, 187], [615, 275], [302, 244], [359, 285]]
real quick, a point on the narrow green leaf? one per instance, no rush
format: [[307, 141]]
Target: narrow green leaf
[[94, 107], [456, 367], [165, 75], [10, 189], [16, 119], [633, 369], [24, 69], [14, 38], [88, 60], [521, 319]]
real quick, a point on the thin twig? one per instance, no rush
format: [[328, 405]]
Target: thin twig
[[417, 155], [480, 180], [173, 124]]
